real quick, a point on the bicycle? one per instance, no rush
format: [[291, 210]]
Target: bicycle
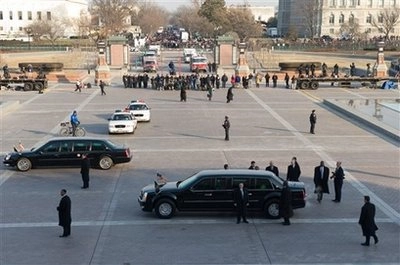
[[66, 130]]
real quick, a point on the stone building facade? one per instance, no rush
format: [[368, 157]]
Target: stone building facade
[[315, 18]]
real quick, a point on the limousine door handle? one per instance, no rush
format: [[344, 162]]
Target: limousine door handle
[[208, 194], [250, 193]]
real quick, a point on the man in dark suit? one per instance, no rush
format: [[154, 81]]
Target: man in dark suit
[[367, 221], [321, 177], [293, 170], [338, 177], [85, 167], [226, 126], [285, 204], [272, 168], [64, 213], [241, 201], [313, 121]]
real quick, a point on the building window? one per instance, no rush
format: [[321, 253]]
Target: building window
[[351, 19], [380, 18], [20, 29], [368, 30], [353, 2], [331, 31], [29, 15], [11, 28], [1, 28], [343, 2], [48, 14], [39, 15], [369, 4], [11, 15], [20, 15], [332, 19], [341, 19], [1, 15], [332, 3], [369, 19], [392, 3], [381, 3]]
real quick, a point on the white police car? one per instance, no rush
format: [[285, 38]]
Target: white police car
[[122, 122], [140, 110]]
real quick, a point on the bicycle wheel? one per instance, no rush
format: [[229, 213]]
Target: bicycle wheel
[[80, 132], [64, 132]]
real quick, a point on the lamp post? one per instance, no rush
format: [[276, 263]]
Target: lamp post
[[29, 32]]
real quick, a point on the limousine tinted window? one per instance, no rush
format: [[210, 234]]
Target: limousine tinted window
[[51, 147], [98, 146], [223, 183], [263, 184], [66, 147], [205, 184], [81, 146]]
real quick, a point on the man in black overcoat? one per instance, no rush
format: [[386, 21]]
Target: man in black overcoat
[[285, 204], [313, 121], [293, 170], [226, 125], [367, 221], [64, 213], [229, 95], [85, 167], [321, 177], [338, 177], [241, 201], [274, 169]]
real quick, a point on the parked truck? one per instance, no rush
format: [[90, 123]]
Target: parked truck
[[25, 83]]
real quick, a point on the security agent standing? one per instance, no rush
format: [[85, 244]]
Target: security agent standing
[[226, 126], [321, 177], [101, 85], [338, 177], [313, 121], [367, 221], [85, 168], [64, 213], [285, 204], [241, 201]]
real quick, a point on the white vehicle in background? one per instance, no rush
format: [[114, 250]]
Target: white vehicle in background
[[188, 54], [122, 122], [156, 49], [184, 36], [139, 110]]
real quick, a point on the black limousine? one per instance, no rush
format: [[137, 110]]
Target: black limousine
[[67, 152], [212, 190]]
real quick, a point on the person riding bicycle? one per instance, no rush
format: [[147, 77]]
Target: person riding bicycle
[[74, 122]]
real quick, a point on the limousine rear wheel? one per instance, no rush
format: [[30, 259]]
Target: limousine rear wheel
[[165, 208], [271, 209], [24, 164], [105, 162]]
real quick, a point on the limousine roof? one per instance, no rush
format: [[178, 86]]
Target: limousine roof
[[241, 172]]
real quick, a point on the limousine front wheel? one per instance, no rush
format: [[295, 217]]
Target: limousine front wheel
[[24, 164], [105, 162], [271, 209], [165, 208]]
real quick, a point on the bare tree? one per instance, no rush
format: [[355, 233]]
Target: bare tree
[[351, 30], [51, 30], [188, 17], [310, 17], [111, 16], [149, 17], [243, 23], [386, 21]]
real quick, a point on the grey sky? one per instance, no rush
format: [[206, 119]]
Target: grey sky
[[171, 5]]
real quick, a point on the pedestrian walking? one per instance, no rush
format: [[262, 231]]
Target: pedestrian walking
[[229, 95], [287, 79], [267, 77], [293, 82], [352, 69], [274, 169], [293, 170], [226, 126], [321, 177], [367, 221], [85, 167], [78, 85], [338, 177], [209, 92], [285, 204], [224, 79], [313, 121], [64, 213], [101, 85], [241, 201]]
